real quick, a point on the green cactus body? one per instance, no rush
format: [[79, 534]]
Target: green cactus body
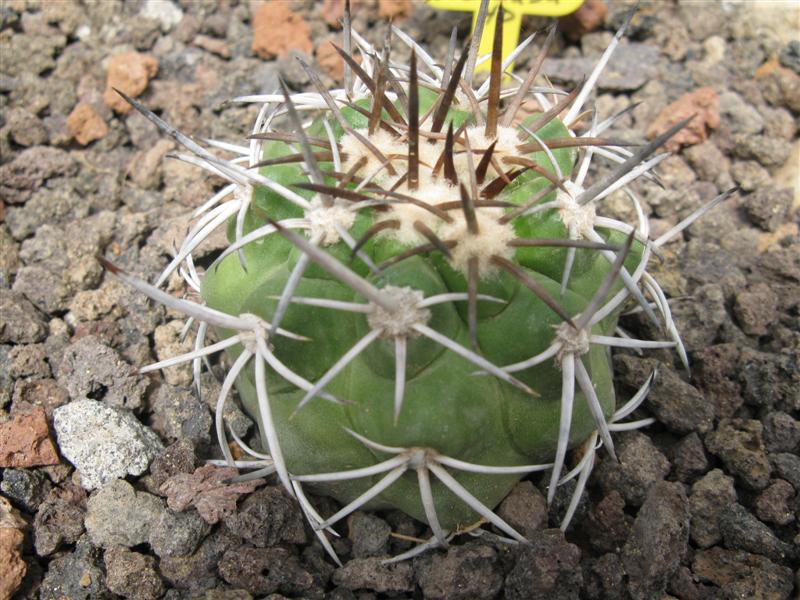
[[446, 407]]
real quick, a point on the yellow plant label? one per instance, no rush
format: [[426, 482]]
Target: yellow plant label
[[513, 10]]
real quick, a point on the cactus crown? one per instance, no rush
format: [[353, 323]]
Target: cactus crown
[[420, 289]]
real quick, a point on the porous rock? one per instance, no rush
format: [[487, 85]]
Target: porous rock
[[177, 534], [546, 568], [368, 533], [658, 540], [59, 519], [25, 441], [708, 498], [12, 565], [75, 575], [118, 515], [371, 574], [742, 531], [265, 571], [463, 573], [132, 575], [739, 444], [103, 442], [20, 322], [743, 575], [267, 517]]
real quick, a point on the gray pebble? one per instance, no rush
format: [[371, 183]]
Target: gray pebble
[[267, 517], [774, 504], [132, 575], [265, 571], [787, 466], [781, 432], [370, 574], [76, 575], [178, 534], [742, 531], [631, 66], [103, 442], [369, 535], [525, 509], [739, 444], [546, 568], [742, 575], [25, 487], [708, 498], [20, 322], [178, 414], [118, 515], [467, 572], [689, 458], [59, 519]]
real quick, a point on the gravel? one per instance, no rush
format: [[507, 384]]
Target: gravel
[[701, 505]]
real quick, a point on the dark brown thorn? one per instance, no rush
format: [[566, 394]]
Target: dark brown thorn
[[469, 211], [377, 100], [108, 265], [415, 201], [351, 172], [370, 83], [533, 286], [499, 169], [497, 185], [281, 136], [449, 166], [598, 297], [333, 191], [412, 252], [495, 76], [519, 98], [400, 181], [571, 142], [372, 232], [589, 193], [347, 40], [291, 158], [456, 204], [473, 183], [413, 124], [337, 113], [554, 111], [472, 300], [447, 98], [528, 205], [432, 238], [560, 243], [483, 165], [381, 123], [536, 167], [440, 161]]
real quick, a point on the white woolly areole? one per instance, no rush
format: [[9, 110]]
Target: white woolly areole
[[507, 142], [431, 192], [576, 217], [400, 322], [572, 341], [492, 239], [323, 220]]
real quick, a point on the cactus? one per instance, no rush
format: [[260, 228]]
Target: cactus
[[420, 291]]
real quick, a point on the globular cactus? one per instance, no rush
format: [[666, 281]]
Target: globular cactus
[[420, 291]]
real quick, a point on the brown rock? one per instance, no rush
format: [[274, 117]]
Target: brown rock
[[86, 125], [703, 103], [129, 72], [330, 61], [25, 441], [333, 10], [12, 567], [277, 29], [213, 45], [588, 17], [394, 9]]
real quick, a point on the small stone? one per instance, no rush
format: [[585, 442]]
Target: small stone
[[213, 45], [756, 309], [29, 361], [689, 458], [631, 66], [525, 509], [371, 574], [103, 442], [774, 504], [743, 575], [75, 574], [20, 322], [742, 531], [604, 578], [25, 129], [708, 498], [640, 464], [739, 444], [168, 344], [769, 379], [25, 441], [168, 14], [787, 466], [608, 525], [333, 11], [676, 404], [118, 515], [30, 169], [369, 535], [198, 571], [277, 29], [92, 369], [658, 540], [179, 414], [716, 369], [26, 487], [781, 432], [265, 572], [12, 566], [769, 151], [177, 534], [546, 568], [86, 125], [709, 162], [132, 575], [268, 517], [740, 116], [43, 393], [703, 102], [59, 519], [750, 175], [394, 9], [589, 16], [129, 72], [768, 208], [790, 56], [177, 458], [467, 572]]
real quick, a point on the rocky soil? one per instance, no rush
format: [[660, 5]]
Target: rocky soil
[[105, 491]]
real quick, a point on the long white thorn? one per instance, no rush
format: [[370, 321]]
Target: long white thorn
[[224, 391], [567, 399], [376, 469], [587, 387], [314, 520], [429, 505], [587, 464], [399, 375], [489, 469]]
